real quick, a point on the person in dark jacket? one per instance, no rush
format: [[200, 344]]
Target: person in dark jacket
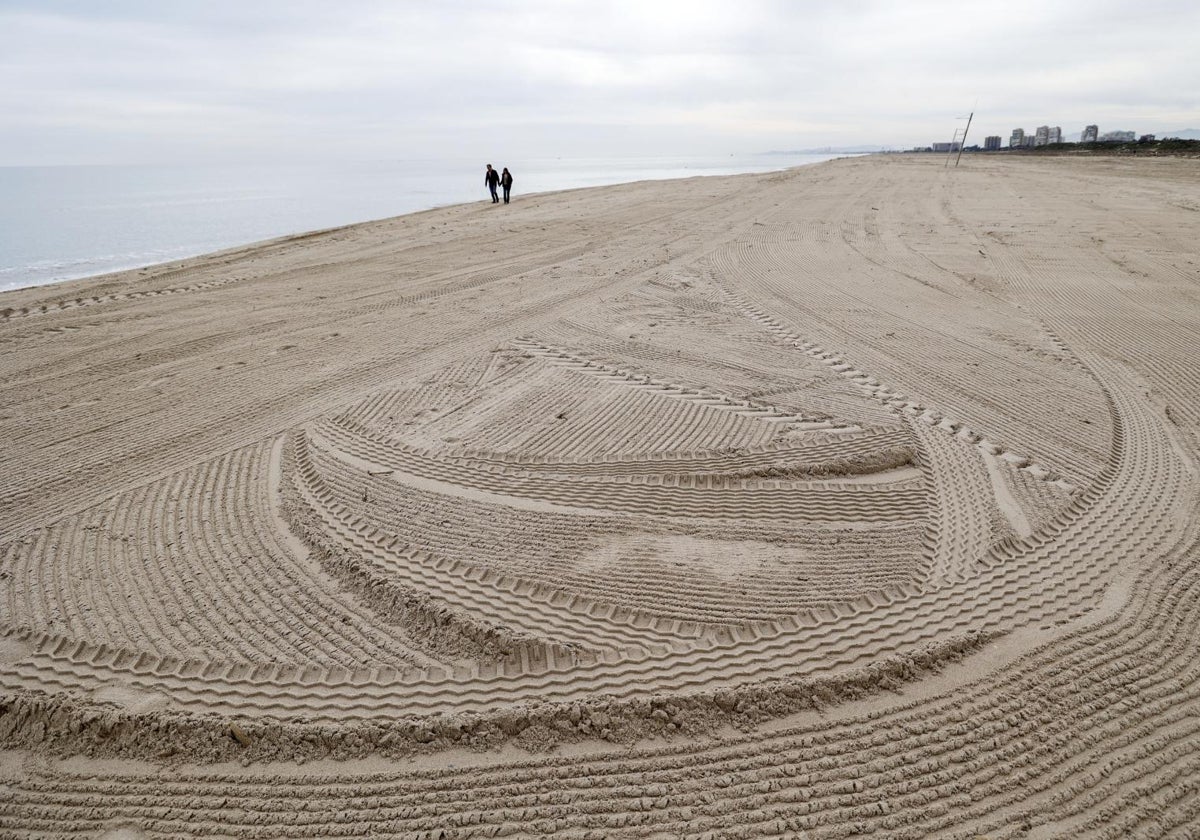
[[506, 182], [491, 178]]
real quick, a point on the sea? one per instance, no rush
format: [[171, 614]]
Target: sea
[[64, 222]]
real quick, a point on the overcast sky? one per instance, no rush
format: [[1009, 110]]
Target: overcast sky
[[164, 81]]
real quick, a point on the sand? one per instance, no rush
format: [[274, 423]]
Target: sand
[[856, 499]]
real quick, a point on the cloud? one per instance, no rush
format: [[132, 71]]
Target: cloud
[[134, 80]]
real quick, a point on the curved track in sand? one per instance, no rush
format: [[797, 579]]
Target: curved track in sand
[[690, 458]]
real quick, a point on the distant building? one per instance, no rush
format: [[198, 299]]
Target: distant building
[[991, 143], [1117, 137], [1146, 138], [1054, 135], [1090, 134], [1041, 135], [1030, 141], [1017, 139], [947, 147]]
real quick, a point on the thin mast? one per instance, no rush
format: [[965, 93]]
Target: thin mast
[[964, 140]]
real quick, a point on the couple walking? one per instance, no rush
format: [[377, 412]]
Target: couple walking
[[504, 179]]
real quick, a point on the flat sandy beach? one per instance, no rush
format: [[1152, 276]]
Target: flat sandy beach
[[855, 499]]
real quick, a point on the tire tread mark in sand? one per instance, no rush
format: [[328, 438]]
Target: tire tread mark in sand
[[156, 579], [888, 396], [980, 741], [1025, 589], [680, 461], [708, 399], [1093, 734], [759, 274], [335, 489], [689, 495], [35, 309], [509, 601]]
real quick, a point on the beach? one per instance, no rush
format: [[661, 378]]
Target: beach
[[67, 222], [858, 497]]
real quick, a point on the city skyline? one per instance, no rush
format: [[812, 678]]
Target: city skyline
[[1047, 135]]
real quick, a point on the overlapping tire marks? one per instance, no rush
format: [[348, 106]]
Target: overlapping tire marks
[[715, 401], [659, 495], [535, 611], [977, 400], [813, 458], [1039, 582], [948, 768], [382, 348], [190, 568], [745, 488], [1085, 727]]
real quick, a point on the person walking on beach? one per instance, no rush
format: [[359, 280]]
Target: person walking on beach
[[492, 178], [506, 182]]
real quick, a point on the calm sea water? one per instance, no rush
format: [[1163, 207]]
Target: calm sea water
[[63, 222]]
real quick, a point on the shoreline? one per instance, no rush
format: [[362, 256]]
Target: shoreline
[[232, 186]]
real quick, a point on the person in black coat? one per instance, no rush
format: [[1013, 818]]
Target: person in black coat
[[506, 182], [491, 178]]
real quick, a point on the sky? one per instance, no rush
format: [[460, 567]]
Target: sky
[[171, 81]]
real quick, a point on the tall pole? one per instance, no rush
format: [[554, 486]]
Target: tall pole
[[964, 140], [950, 151]]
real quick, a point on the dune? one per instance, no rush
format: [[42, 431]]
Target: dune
[[854, 499]]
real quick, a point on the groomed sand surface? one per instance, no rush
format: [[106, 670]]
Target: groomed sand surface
[[856, 499]]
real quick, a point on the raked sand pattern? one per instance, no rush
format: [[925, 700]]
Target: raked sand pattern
[[857, 499]]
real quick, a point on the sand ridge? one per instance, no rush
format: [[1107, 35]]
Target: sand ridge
[[715, 469]]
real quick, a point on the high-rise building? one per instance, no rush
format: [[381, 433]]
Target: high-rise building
[[991, 143], [1042, 135], [1090, 134], [1054, 135], [1017, 139]]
